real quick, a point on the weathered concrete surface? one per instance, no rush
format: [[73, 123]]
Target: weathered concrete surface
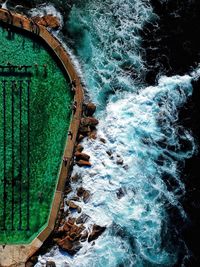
[[17, 255]]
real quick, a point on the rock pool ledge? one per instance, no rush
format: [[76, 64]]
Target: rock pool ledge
[[17, 255]]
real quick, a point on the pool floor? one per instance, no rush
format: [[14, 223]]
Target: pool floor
[[35, 111]]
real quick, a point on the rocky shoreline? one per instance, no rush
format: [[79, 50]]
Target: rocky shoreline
[[73, 228]]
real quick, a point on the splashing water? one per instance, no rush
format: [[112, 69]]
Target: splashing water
[[134, 179]]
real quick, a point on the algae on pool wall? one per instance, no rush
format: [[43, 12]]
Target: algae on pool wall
[[35, 110]]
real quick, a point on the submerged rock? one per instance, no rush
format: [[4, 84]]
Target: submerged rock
[[96, 232], [47, 21]]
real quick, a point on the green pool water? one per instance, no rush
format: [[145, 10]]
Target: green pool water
[[35, 110]]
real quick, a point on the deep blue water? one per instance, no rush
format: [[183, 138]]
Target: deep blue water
[[139, 109]]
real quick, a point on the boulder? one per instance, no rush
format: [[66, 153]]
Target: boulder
[[96, 232], [92, 134], [72, 205], [89, 121], [83, 163], [102, 140], [79, 148], [84, 129], [90, 109], [72, 247], [48, 21], [80, 155], [86, 196], [80, 137], [82, 219], [119, 161], [50, 264]]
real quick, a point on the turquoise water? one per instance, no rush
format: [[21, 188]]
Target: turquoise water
[[140, 125], [30, 162]]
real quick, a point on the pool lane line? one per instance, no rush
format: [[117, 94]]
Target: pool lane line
[[13, 152], [28, 155], [20, 155], [4, 142]]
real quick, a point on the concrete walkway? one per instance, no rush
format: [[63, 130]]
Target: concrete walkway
[[17, 255]]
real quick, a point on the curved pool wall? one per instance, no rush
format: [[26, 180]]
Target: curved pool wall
[[45, 156]]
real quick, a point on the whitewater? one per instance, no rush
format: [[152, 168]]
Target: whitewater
[[135, 178]]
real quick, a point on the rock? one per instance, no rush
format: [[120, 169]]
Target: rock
[[82, 219], [109, 153], [69, 246], [68, 189], [83, 163], [72, 205], [50, 264], [102, 140], [71, 220], [79, 148], [120, 193], [80, 191], [47, 21], [80, 137], [84, 129], [120, 161], [86, 196], [84, 236], [92, 134], [75, 178], [89, 121], [75, 198], [83, 156], [96, 232], [90, 109]]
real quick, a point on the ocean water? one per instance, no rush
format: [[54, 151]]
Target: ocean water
[[135, 179]]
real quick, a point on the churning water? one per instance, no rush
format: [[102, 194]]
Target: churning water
[[135, 178]]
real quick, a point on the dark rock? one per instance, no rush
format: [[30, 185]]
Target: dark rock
[[109, 153], [80, 137], [75, 178], [50, 264], [83, 163], [47, 21], [102, 140], [84, 236], [85, 194], [89, 121], [92, 134], [68, 245], [79, 148], [83, 156], [96, 232], [73, 206], [120, 161], [84, 129], [82, 219], [120, 193], [90, 109]]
